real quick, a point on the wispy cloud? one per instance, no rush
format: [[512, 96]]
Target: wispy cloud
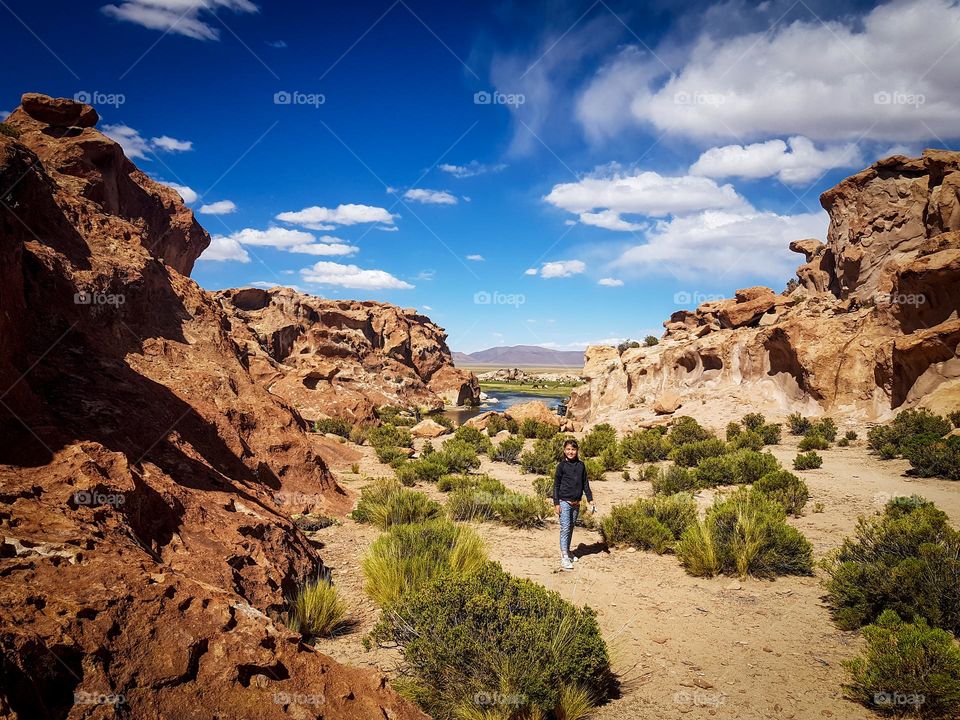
[[181, 17], [220, 207]]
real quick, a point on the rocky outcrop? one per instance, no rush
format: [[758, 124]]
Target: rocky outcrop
[[146, 545], [344, 358], [870, 328]]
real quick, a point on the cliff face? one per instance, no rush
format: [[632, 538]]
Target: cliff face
[[872, 327], [343, 358], [146, 476]]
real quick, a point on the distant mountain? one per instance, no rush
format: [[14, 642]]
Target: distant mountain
[[521, 356]]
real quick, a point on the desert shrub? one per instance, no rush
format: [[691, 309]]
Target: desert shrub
[[470, 435], [498, 423], [954, 417], [646, 446], [312, 523], [716, 470], [850, 435], [733, 429], [542, 458], [386, 503], [749, 465], [9, 130], [446, 483], [799, 425], [786, 488], [613, 457], [519, 510], [747, 439], [689, 454], [408, 556], [595, 469], [406, 475], [543, 487], [394, 415], [826, 428], [531, 428], [651, 473], [649, 523], [905, 428], [462, 636], [673, 480], [771, 433], [843, 442], [316, 610], [753, 421], [469, 503], [813, 441], [651, 340], [807, 461], [598, 439], [907, 668], [424, 469], [906, 559], [389, 435], [458, 455], [697, 550], [359, 433], [335, 426], [509, 450], [940, 458], [686, 430], [390, 454], [747, 534], [441, 419]]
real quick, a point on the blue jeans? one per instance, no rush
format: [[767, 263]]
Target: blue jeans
[[568, 518]]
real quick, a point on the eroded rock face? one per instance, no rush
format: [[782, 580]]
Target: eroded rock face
[[147, 478], [871, 329], [344, 358]]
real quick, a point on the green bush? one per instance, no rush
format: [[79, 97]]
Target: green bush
[[470, 435], [646, 446], [489, 632], [498, 423], [754, 421], [673, 480], [458, 455], [685, 430], [807, 461], [850, 435], [733, 429], [598, 439], [394, 415], [651, 473], [390, 454], [749, 465], [745, 533], [905, 428], [747, 439], [470, 503], [843, 442], [543, 487], [595, 469], [785, 488], [689, 454], [424, 469], [316, 610], [613, 457], [799, 425], [543, 457], [813, 441], [509, 450], [649, 523], [454, 482], [826, 428], [9, 130], [770, 433], [906, 559], [389, 435], [336, 426], [519, 510], [359, 433], [531, 428], [716, 470], [386, 503], [651, 340], [907, 669], [409, 556], [940, 458]]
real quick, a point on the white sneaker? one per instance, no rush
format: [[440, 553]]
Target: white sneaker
[[575, 558], [566, 564]]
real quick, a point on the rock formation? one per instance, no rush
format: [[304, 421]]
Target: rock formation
[[344, 358], [146, 546], [871, 328]]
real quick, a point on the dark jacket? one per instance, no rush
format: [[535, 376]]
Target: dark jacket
[[570, 481]]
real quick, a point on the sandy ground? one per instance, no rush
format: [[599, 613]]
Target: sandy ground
[[684, 647]]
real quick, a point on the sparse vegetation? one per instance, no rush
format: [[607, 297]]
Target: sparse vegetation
[[386, 503], [9, 130], [497, 423], [799, 425], [785, 488], [807, 461], [650, 523], [689, 454], [424, 469], [543, 487], [613, 457], [646, 445], [595, 469], [599, 438], [470, 435], [508, 450], [673, 480], [685, 430], [334, 426], [459, 456], [316, 610], [531, 428], [651, 340], [543, 457], [813, 441]]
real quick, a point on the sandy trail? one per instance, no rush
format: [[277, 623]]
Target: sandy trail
[[685, 647]]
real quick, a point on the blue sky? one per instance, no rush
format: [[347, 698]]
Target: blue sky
[[544, 173]]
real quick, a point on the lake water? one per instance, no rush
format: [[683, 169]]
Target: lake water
[[504, 400]]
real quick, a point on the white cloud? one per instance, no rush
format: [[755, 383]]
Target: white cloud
[[188, 194], [427, 307], [221, 207], [266, 285], [326, 249], [562, 268], [225, 248], [277, 237], [796, 161], [889, 74], [471, 169], [351, 276], [182, 17], [165, 142], [430, 197], [642, 193], [475, 258], [230, 247], [610, 282], [530, 271], [321, 218]]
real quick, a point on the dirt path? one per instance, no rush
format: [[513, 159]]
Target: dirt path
[[685, 647]]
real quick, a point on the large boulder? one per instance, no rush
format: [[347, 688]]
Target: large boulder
[[533, 410], [428, 428]]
